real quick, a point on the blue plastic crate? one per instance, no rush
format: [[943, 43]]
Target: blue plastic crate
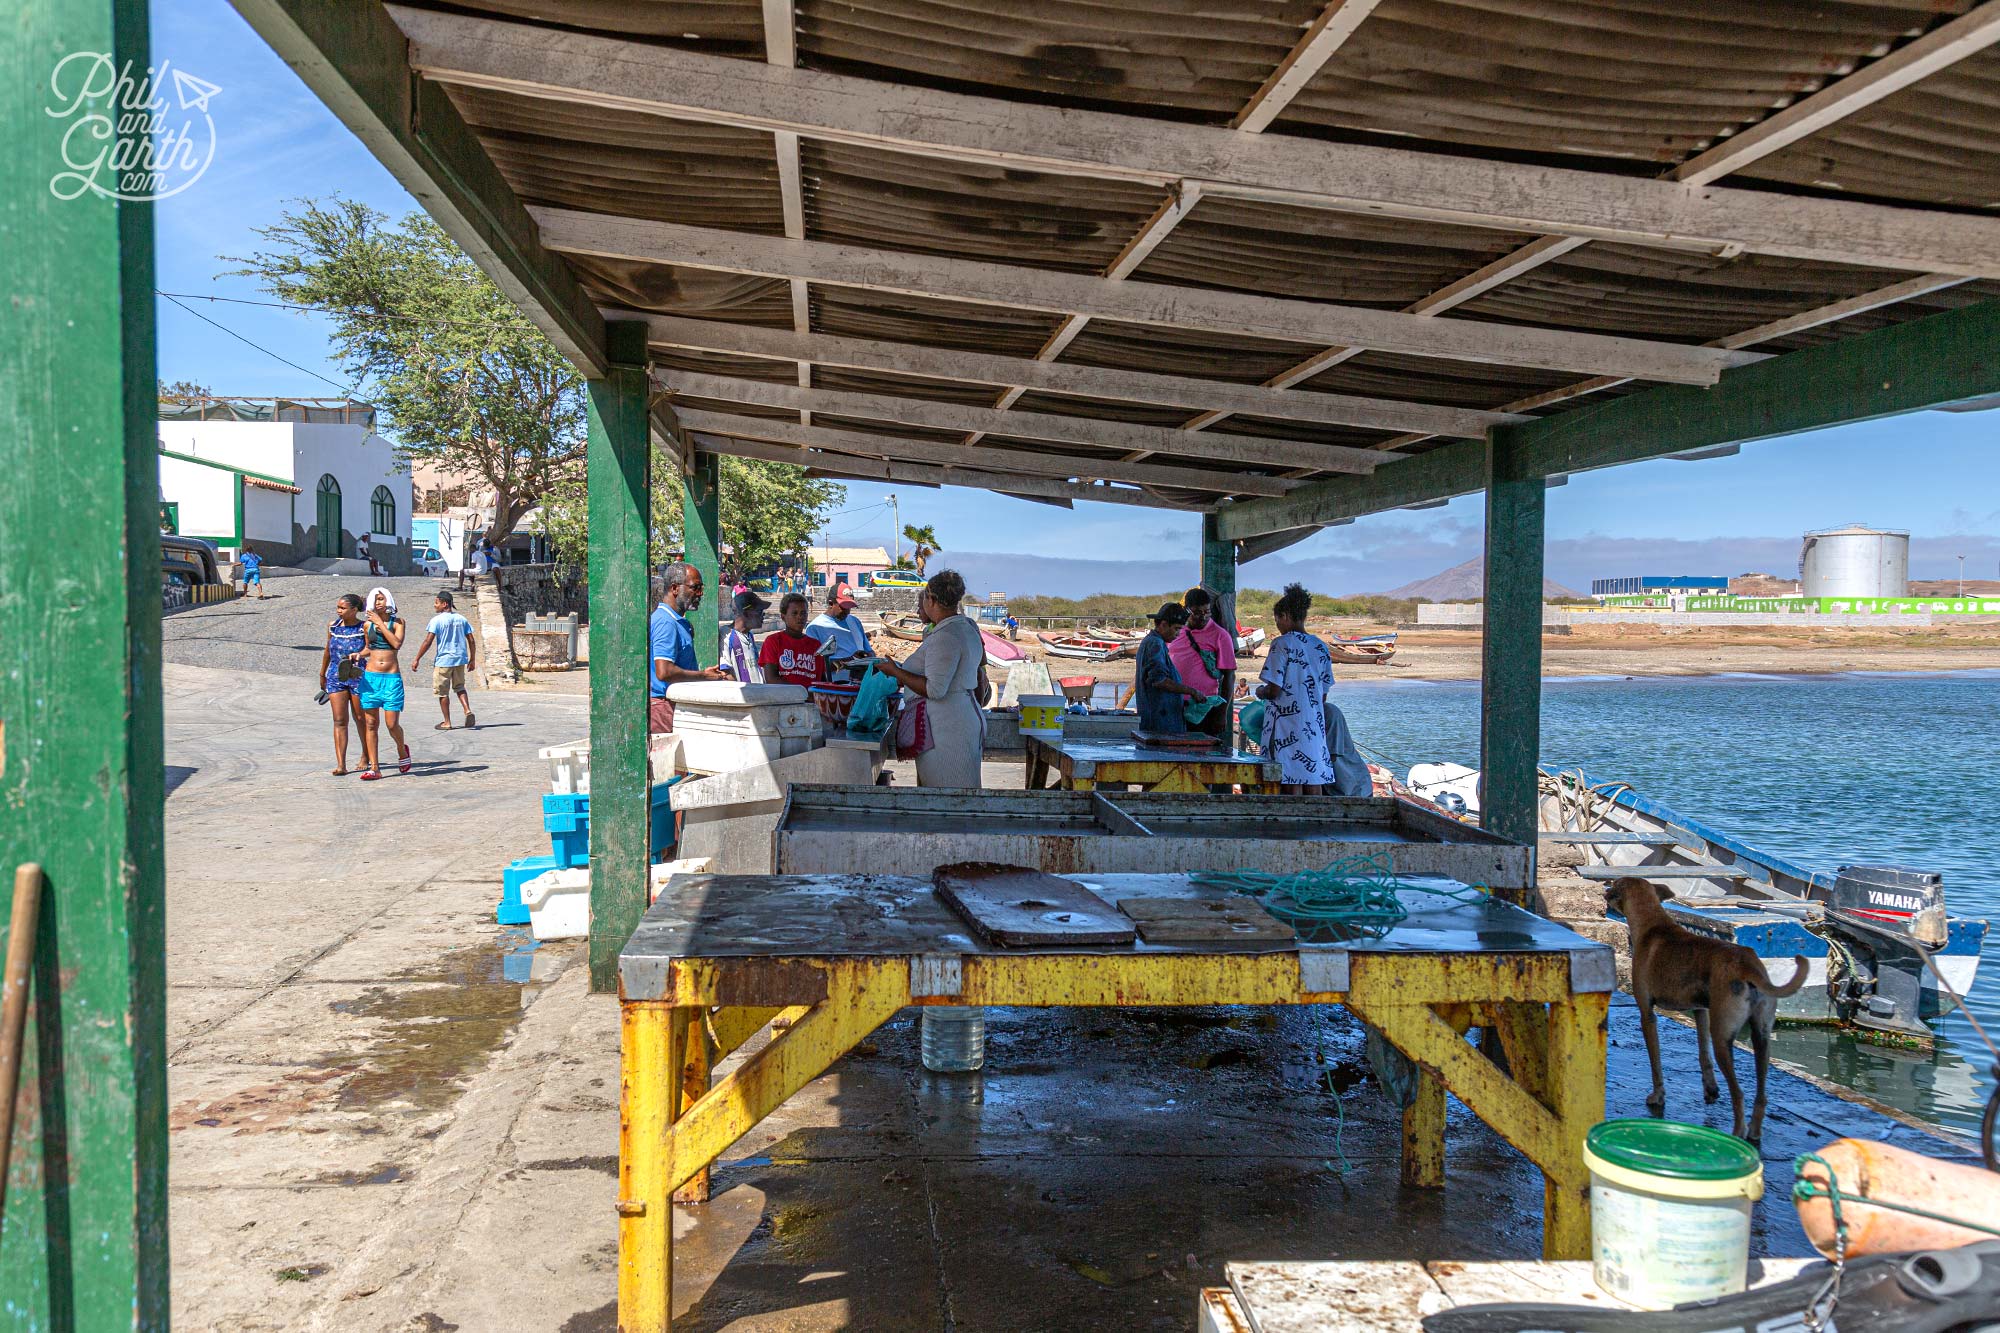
[[571, 847], [511, 912]]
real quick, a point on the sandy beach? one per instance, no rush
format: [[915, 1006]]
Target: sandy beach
[[1644, 650]]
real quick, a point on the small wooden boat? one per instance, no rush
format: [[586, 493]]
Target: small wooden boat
[[904, 625], [1000, 653], [1085, 647], [1363, 654], [1114, 632]]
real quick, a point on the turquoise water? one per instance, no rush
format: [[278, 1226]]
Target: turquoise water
[[1823, 770]]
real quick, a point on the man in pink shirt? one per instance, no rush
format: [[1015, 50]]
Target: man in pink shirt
[[1205, 655]]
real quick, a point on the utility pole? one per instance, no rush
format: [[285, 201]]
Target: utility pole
[[1961, 576], [896, 532]]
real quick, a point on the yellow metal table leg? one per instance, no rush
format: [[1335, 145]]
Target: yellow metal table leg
[[698, 1056], [1575, 1093], [651, 1038], [1423, 1136]]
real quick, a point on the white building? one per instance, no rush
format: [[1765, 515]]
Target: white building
[[287, 478]]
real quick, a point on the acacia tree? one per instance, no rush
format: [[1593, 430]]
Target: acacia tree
[[769, 511], [463, 379]]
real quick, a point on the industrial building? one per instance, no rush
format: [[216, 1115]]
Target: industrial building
[[1659, 585]]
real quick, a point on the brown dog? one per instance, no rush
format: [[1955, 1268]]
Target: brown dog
[[1724, 984]]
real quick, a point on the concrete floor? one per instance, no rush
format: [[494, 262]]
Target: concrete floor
[[389, 1113]]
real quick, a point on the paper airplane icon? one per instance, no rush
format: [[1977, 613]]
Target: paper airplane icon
[[193, 93]]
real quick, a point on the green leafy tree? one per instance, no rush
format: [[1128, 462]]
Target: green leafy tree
[[183, 389], [926, 540], [463, 379], [769, 512]]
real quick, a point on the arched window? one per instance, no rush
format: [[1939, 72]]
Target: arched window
[[382, 512]]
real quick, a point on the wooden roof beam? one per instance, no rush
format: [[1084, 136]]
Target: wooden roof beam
[[1934, 362], [1102, 468], [1132, 386], [926, 474], [1363, 178], [1088, 431], [1324, 36], [1017, 287]]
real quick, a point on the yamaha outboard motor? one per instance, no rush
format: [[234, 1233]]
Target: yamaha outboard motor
[[1912, 900], [1884, 912]]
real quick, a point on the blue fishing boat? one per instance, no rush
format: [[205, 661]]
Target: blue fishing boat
[[1881, 951]]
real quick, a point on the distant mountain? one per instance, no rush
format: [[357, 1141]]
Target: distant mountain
[[1464, 583]]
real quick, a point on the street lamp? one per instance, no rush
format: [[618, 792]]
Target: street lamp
[[1961, 576]]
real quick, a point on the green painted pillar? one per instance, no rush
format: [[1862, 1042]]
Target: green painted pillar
[[1510, 726], [1218, 575], [81, 758], [701, 508], [619, 472]]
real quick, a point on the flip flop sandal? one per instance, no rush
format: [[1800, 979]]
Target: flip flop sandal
[[442, 726], [468, 720], [403, 762], [338, 772], [372, 775]]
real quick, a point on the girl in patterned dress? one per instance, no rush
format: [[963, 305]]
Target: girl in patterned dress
[[1297, 675]]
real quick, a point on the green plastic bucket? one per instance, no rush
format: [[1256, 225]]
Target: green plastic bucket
[[1670, 1210]]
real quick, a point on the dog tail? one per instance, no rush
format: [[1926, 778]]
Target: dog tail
[[1790, 987]]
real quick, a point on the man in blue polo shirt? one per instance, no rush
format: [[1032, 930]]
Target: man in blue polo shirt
[[672, 642]]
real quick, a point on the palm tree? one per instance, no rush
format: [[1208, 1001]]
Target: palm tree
[[926, 542]]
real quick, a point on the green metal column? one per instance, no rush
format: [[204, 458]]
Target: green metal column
[[1218, 575], [1511, 669], [701, 507], [81, 761], [619, 462]]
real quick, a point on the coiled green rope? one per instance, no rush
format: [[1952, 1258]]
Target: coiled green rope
[[1355, 891]]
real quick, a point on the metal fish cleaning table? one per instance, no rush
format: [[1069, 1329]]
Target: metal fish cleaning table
[[717, 957], [1087, 763]]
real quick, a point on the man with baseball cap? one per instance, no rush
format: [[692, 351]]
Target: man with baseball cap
[[840, 629], [739, 646]]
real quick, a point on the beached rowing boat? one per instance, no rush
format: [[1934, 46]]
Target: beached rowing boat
[[905, 626], [1086, 648], [1361, 654]]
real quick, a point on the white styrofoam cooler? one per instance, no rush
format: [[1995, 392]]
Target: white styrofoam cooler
[[724, 725], [558, 901], [569, 765]]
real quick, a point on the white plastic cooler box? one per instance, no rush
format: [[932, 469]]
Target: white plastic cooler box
[[723, 725], [569, 765]]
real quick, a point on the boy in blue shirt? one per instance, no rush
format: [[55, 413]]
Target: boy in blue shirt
[[452, 633], [253, 572]]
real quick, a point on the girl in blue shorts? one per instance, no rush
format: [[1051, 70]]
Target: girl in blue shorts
[[345, 639], [381, 695]]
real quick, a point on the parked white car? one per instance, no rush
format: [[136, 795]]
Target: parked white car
[[429, 560]]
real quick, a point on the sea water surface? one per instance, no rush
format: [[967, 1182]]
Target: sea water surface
[[1823, 770]]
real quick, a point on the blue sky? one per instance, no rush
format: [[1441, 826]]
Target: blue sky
[[1935, 474]]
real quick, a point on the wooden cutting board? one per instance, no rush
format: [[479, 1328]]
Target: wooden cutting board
[[1204, 920], [1016, 907]]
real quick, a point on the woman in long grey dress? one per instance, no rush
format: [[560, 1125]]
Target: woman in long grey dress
[[945, 671]]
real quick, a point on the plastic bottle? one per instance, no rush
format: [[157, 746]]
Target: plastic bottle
[[954, 1038]]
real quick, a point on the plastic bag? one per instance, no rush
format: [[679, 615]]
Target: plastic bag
[[871, 703], [1252, 720], [1197, 709]]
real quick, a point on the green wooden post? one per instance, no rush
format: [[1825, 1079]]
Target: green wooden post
[[1218, 575], [619, 472], [1510, 728], [701, 508], [81, 758]]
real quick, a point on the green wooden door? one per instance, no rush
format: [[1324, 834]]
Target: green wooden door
[[329, 516]]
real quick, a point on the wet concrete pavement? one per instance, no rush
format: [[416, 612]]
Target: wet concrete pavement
[[388, 1113]]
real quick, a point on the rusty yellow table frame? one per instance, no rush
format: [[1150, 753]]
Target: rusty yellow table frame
[[1085, 765], [1547, 1008]]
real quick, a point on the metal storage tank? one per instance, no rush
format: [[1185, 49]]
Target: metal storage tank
[[1855, 562]]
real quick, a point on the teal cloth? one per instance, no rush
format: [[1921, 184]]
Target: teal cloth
[[1197, 709], [871, 703]]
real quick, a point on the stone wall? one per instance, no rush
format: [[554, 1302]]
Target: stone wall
[[546, 590]]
